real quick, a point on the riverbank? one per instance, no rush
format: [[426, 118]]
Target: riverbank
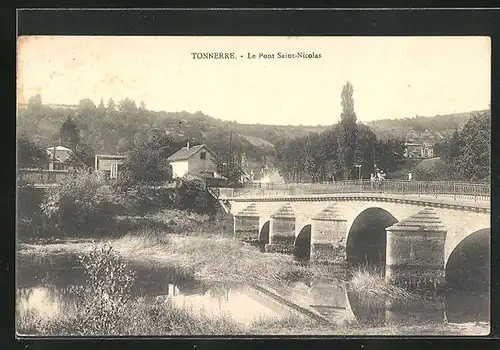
[[204, 258]]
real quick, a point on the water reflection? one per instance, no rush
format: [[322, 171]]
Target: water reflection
[[331, 299]]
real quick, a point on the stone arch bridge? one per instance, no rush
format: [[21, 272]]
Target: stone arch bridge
[[415, 237]]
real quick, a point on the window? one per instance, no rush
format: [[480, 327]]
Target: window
[[203, 155]]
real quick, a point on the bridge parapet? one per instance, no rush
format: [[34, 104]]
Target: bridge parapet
[[437, 189]]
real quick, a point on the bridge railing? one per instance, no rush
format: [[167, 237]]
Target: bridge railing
[[462, 190]]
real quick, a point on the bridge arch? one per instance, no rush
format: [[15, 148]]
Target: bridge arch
[[264, 233], [367, 238], [468, 266], [468, 279], [303, 243]]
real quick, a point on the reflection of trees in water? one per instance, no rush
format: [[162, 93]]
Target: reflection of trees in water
[[221, 290], [46, 274]]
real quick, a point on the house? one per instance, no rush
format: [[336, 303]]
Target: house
[[194, 160], [418, 150], [58, 158], [109, 164]]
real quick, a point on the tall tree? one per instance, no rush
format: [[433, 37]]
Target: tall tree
[[29, 155], [347, 131], [127, 105], [69, 134], [35, 101], [86, 104], [471, 156], [111, 105], [142, 106], [101, 104]]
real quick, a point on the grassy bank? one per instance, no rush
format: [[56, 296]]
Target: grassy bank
[[371, 286], [205, 258]]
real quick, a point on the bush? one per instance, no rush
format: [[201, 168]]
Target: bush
[[83, 205], [109, 290], [31, 221], [192, 195], [144, 200]]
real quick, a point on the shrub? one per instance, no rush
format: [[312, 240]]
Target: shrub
[[31, 221], [371, 286], [83, 205], [142, 200], [110, 284], [192, 195]]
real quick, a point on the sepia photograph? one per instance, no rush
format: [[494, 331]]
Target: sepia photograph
[[253, 186]]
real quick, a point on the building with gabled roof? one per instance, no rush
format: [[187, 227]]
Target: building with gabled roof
[[195, 160], [58, 157]]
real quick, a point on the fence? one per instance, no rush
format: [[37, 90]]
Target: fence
[[463, 190], [43, 177]]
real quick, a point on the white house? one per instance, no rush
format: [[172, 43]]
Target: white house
[[58, 157], [194, 160], [418, 150]]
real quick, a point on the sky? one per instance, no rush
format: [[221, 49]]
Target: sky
[[393, 77]]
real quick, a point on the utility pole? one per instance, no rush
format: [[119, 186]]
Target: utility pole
[[230, 160], [374, 157]]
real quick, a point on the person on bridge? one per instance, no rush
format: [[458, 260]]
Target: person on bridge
[[372, 180], [409, 176]]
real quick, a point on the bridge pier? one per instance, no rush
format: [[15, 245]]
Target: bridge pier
[[415, 252], [282, 231], [246, 224], [328, 231]]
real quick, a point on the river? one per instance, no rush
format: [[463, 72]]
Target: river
[[45, 288]]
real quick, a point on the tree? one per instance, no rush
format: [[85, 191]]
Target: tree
[[69, 134], [365, 146], [127, 105], [390, 154], [111, 105], [86, 105], [470, 153], [35, 101], [101, 104], [348, 132], [29, 155], [192, 195], [147, 163], [83, 205], [83, 156], [142, 106]]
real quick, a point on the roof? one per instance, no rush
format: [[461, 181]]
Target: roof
[[110, 156], [58, 148], [62, 154], [185, 153], [418, 144]]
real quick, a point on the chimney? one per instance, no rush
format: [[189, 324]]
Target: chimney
[[187, 145]]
